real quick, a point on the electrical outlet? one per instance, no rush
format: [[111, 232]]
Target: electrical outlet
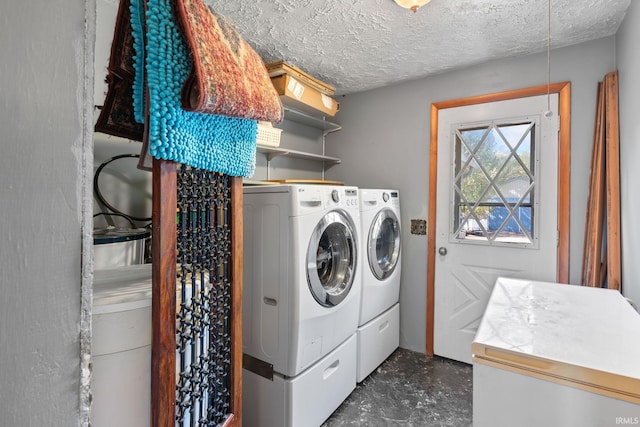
[[418, 226]]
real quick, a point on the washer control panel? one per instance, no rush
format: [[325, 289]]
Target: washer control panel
[[351, 196]]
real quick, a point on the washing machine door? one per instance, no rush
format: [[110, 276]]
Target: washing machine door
[[332, 258], [384, 244]]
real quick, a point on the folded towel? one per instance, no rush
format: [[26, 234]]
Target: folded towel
[[206, 141], [117, 115], [227, 76]]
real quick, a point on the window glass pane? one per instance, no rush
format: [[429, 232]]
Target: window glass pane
[[491, 196], [513, 181], [473, 186], [524, 152], [514, 133], [492, 153], [470, 225], [510, 228], [472, 137]]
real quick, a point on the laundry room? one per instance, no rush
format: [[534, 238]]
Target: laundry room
[[358, 306]]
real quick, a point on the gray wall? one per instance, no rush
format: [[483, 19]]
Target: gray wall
[[385, 143], [47, 163], [42, 109], [629, 103]]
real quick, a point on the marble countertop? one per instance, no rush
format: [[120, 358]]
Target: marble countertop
[[581, 334]]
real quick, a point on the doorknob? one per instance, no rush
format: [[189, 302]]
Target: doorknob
[[442, 250]]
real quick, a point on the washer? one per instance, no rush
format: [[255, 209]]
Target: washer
[[301, 299], [379, 321]]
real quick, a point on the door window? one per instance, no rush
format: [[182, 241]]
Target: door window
[[495, 183], [384, 244], [331, 259]]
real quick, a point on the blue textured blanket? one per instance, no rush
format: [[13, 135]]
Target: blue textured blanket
[[206, 141]]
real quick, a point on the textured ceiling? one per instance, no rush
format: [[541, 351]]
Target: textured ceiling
[[357, 45]]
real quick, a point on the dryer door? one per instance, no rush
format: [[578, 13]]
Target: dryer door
[[384, 244], [331, 259]]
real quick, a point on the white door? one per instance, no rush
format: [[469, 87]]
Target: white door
[[496, 209]]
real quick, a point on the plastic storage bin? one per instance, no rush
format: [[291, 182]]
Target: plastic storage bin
[[121, 347]]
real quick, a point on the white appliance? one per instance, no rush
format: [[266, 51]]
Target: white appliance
[[301, 300], [379, 322], [548, 354], [121, 346]]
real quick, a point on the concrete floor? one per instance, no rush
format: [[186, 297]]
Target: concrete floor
[[410, 389]]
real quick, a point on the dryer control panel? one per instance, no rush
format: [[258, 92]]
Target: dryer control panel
[[310, 198]]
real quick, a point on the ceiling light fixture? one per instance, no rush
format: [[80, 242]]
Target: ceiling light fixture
[[412, 4]]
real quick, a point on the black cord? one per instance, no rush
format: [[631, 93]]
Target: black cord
[[133, 225], [96, 188]]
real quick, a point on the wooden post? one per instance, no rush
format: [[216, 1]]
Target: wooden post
[[592, 257], [613, 181], [603, 208], [236, 302], [163, 306]]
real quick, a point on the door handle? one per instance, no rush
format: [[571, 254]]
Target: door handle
[[442, 250]]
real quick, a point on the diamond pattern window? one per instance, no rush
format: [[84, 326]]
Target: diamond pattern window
[[494, 182]]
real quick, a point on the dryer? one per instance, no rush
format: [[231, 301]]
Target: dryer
[[301, 299], [379, 321]]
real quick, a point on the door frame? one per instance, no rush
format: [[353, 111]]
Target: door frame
[[563, 89]]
